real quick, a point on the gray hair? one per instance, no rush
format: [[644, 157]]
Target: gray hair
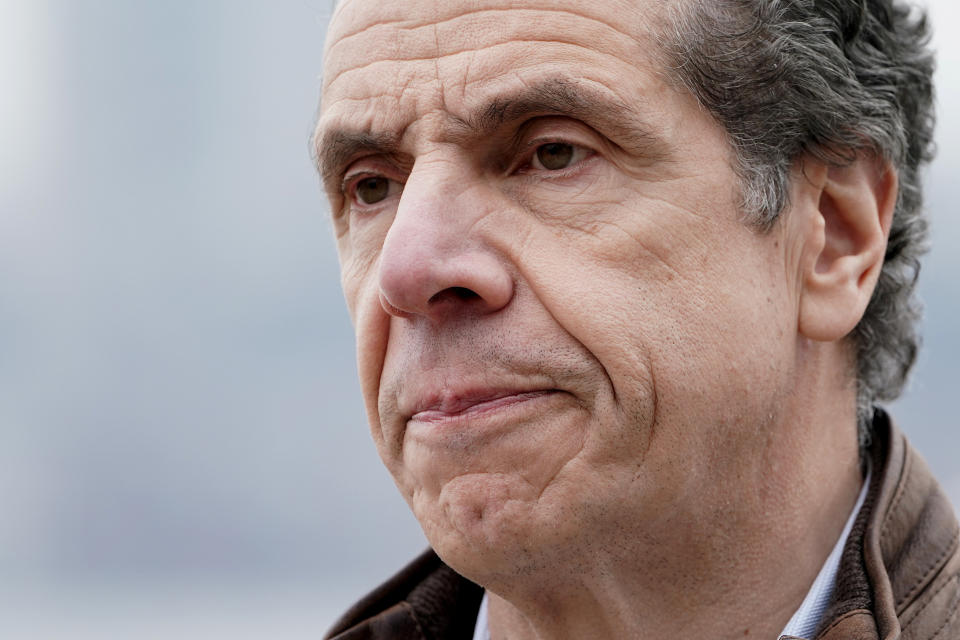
[[835, 79]]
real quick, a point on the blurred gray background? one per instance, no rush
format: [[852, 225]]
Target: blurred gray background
[[183, 451]]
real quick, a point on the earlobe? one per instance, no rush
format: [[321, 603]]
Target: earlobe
[[845, 246]]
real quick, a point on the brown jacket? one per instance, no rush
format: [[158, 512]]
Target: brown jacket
[[899, 577]]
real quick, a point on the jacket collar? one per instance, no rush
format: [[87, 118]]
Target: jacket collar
[[894, 561]]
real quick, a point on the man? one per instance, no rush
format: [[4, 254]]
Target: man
[[628, 278]]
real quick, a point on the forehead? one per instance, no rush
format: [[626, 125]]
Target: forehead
[[389, 65]]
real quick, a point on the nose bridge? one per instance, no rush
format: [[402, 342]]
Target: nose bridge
[[435, 257], [428, 211]]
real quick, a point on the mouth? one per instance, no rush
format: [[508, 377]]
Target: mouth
[[476, 404]]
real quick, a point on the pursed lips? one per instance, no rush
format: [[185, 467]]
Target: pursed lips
[[458, 405]]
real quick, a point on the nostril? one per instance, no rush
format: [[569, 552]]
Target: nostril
[[456, 294]]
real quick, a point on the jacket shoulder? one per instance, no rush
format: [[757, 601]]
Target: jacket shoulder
[[424, 600], [919, 541]]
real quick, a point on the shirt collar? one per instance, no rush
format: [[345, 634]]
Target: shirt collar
[[807, 618]]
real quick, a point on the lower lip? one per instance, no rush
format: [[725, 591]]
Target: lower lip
[[482, 410]]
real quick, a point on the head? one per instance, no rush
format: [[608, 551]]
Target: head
[[598, 296]]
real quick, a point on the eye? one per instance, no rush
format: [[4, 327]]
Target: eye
[[372, 190], [554, 156], [557, 156]]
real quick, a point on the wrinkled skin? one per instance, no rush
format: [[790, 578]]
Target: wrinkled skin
[[581, 367]]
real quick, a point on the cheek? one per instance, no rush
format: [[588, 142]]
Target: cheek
[[670, 315], [372, 329], [606, 276], [722, 360]]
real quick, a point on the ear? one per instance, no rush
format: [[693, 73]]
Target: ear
[[845, 245]]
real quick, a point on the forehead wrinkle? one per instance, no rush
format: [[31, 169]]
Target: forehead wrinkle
[[443, 20], [474, 30], [436, 55]]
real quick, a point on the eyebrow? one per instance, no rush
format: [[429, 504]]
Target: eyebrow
[[336, 147], [578, 100], [556, 96]]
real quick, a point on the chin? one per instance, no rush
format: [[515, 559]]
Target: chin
[[492, 529]]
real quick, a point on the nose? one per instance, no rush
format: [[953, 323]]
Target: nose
[[436, 260]]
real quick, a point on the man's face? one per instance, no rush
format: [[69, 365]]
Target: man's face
[[566, 333]]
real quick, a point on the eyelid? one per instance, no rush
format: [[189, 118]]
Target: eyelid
[[351, 175], [545, 129], [370, 166], [351, 181], [555, 130]]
